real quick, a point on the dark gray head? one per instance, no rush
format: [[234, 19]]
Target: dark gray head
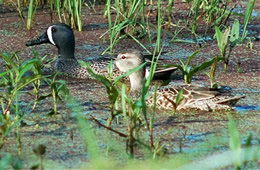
[[60, 35]]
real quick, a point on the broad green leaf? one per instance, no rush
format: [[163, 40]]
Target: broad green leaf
[[235, 31], [129, 72], [25, 67], [213, 68], [207, 73], [224, 41], [249, 10], [111, 89], [201, 67], [179, 97], [188, 69]]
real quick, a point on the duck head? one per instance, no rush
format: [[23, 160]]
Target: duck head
[[59, 35], [128, 60]]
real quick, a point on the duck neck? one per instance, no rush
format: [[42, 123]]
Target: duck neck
[[66, 48], [67, 53], [136, 81]]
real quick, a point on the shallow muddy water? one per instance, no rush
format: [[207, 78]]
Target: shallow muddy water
[[65, 145]]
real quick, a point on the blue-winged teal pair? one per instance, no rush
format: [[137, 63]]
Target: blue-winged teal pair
[[62, 36], [194, 97]]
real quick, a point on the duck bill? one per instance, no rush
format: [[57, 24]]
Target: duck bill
[[39, 40]]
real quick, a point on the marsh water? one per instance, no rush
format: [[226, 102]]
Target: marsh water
[[191, 130]]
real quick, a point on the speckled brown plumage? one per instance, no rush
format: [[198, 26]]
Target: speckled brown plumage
[[71, 68], [194, 97]]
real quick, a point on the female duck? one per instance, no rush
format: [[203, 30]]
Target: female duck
[[194, 97]]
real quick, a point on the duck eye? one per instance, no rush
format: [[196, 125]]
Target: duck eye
[[53, 29], [123, 57]]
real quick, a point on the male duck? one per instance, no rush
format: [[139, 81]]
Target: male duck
[[62, 36], [194, 97]]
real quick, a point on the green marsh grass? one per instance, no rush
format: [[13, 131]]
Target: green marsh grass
[[110, 87], [246, 156], [17, 76], [212, 72], [215, 13], [129, 16], [16, 79], [230, 37], [249, 10], [234, 142], [189, 70], [237, 156], [136, 122], [19, 9], [134, 110], [68, 11], [222, 39], [33, 5], [59, 91], [13, 80], [72, 10]]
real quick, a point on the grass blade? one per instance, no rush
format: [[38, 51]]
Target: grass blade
[[234, 142]]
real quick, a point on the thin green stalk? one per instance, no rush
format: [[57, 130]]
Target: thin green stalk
[[196, 13], [153, 117], [123, 92], [152, 70], [130, 133], [20, 11], [17, 117], [77, 13], [54, 96], [249, 10], [57, 4], [30, 13], [108, 5]]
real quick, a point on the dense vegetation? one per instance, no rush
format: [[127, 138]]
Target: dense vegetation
[[126, 19]]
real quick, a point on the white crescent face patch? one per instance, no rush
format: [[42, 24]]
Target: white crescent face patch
[[49, 33]]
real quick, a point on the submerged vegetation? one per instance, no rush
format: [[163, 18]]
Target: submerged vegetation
[[134, 20]]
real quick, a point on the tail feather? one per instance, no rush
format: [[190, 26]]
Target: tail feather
[[227, 100]]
